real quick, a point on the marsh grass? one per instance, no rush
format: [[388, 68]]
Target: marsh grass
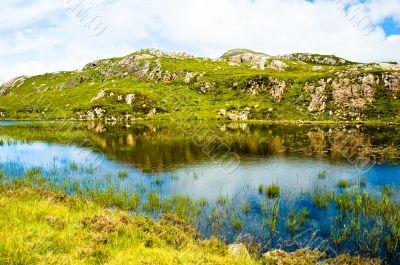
[[361, 213], [322, 174], [261, 189], [369, 221], [273, 191], [296, 220], [237, 224], [153, 202], [73, 166], [134, 202], [123, 174], [246, 208], [343, 184], [322, 199], [222, 200], [158, 181], [363, 182]]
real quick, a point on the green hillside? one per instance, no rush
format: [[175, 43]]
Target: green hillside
[[241, 85]]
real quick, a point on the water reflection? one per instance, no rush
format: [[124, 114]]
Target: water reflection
[[162, 148]]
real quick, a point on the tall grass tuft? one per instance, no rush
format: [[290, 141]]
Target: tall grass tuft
[[273, 191]]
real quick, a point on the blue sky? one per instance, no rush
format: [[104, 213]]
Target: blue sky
[[390, 26], [39, 36]]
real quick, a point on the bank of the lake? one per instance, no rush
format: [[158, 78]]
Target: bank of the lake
[[42, 227]]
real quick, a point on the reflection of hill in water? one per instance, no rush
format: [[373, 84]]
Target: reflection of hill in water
[[159, 148]]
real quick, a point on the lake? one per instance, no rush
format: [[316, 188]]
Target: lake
[[333, 187]]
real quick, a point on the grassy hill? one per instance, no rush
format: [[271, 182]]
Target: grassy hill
[[241, 85]]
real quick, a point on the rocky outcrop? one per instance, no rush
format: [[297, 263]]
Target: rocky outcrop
[[95, 113], [316, 59], [277, 89], [129, 98], [278, 65], [392, 82], [318, 97], [13, 83], [256, 61], [242, 116], [274, 86], [353, 94], [144, 65], [101, 94]]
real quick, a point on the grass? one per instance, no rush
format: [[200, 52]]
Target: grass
[[343, 184], [158, 181], [153, 202], [123, 174], [261, 189], [237, 224], [222, 200], [273, 191], [363, 182], [108, 224], [321, 200], [296, 220], [246, 208], [73, 166], [73, 231], [134, 202], [322, 174]]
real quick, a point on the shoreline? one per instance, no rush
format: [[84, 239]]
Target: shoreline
[[215, 121], [117, 237]]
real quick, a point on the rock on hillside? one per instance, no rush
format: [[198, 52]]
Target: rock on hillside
[[13, 83], [259, 61], [317, 59], [235, 52]]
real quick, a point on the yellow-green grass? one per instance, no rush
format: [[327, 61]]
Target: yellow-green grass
[[41, 227]]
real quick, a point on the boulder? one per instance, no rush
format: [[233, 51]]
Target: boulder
[[316, 68], [256, 61], [101, 94], [222, 112], [278, 65], [129, 98], [238, 250]]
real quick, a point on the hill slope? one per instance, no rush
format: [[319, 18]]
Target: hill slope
[[240, 85]]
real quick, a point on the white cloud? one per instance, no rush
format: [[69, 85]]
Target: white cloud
[[40, 36]]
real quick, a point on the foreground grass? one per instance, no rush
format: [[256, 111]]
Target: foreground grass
[[41, 227]]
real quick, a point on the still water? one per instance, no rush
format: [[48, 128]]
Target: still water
[[229, 167]]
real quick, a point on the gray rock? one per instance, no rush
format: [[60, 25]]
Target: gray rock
[[222, 112], [238, 250], [278, 65], [256, 61], [13, 83]]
